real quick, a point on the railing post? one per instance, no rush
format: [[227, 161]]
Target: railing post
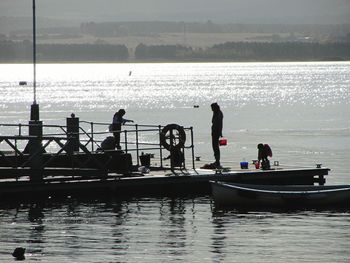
[[192, 146], [16, 155], [126, 141], [137, 145], [160, 147], [92, 136], [184, 156]]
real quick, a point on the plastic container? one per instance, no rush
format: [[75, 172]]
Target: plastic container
[[257, 165], [222, 141], [244, 165]]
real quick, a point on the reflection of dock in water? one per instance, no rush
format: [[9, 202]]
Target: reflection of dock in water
[[68, 160]]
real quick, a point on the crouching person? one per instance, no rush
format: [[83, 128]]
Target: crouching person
[[264, 151], [107, 144]]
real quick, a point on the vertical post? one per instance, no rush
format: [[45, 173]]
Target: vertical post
[[160, 147], [72, 134], [192, 146], [171, 149], [34, 147], [34, 52], [183, 152], [92, 136], [34, 110], [137, 144], [16, 155], [126, 140]]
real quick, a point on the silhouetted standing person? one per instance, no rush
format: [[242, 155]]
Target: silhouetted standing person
[[118, 121], [216, 132]]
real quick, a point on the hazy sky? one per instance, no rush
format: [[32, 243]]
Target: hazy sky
[[235, 11]]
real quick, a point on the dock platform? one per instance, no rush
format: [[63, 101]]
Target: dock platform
[[71, 160], [154, 183]]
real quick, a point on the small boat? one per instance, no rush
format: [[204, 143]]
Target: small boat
[[280, 196]]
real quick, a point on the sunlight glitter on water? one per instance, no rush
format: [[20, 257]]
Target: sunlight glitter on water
[[152, 85], [300, 109]]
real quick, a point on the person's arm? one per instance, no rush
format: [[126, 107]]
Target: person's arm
[[259, 155], [125, 120]]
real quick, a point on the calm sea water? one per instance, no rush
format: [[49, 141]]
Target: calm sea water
[[300, 109]]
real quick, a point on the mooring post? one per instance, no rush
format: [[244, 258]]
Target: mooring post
[[72, 134], [35, 150]]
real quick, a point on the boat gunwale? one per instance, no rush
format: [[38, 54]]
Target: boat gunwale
[[323, 189]]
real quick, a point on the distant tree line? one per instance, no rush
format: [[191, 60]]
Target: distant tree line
[[169, 52], [23, 51], [84, 52], [231, 51], [287, 51], [244, 51]]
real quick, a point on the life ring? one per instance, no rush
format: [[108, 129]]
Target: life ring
[[173, 136]]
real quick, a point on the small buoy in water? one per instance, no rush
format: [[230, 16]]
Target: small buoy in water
[[23, 83], [18, 253], [130, 72], [195, 106]]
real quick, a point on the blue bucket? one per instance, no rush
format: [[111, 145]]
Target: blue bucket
[[244, 165]]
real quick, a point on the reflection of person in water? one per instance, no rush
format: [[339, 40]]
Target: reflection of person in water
[[264, 151], [216, 132], [118, 121]]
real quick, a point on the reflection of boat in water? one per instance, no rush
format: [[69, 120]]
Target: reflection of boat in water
[[280, 196]]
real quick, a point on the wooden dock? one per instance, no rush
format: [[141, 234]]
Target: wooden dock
[[154, 183], [71, 161]]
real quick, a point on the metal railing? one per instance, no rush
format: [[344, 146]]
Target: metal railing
[[136, 140]]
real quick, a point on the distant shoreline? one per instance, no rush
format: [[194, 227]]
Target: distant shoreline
[[21, 52], [170, 61]]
